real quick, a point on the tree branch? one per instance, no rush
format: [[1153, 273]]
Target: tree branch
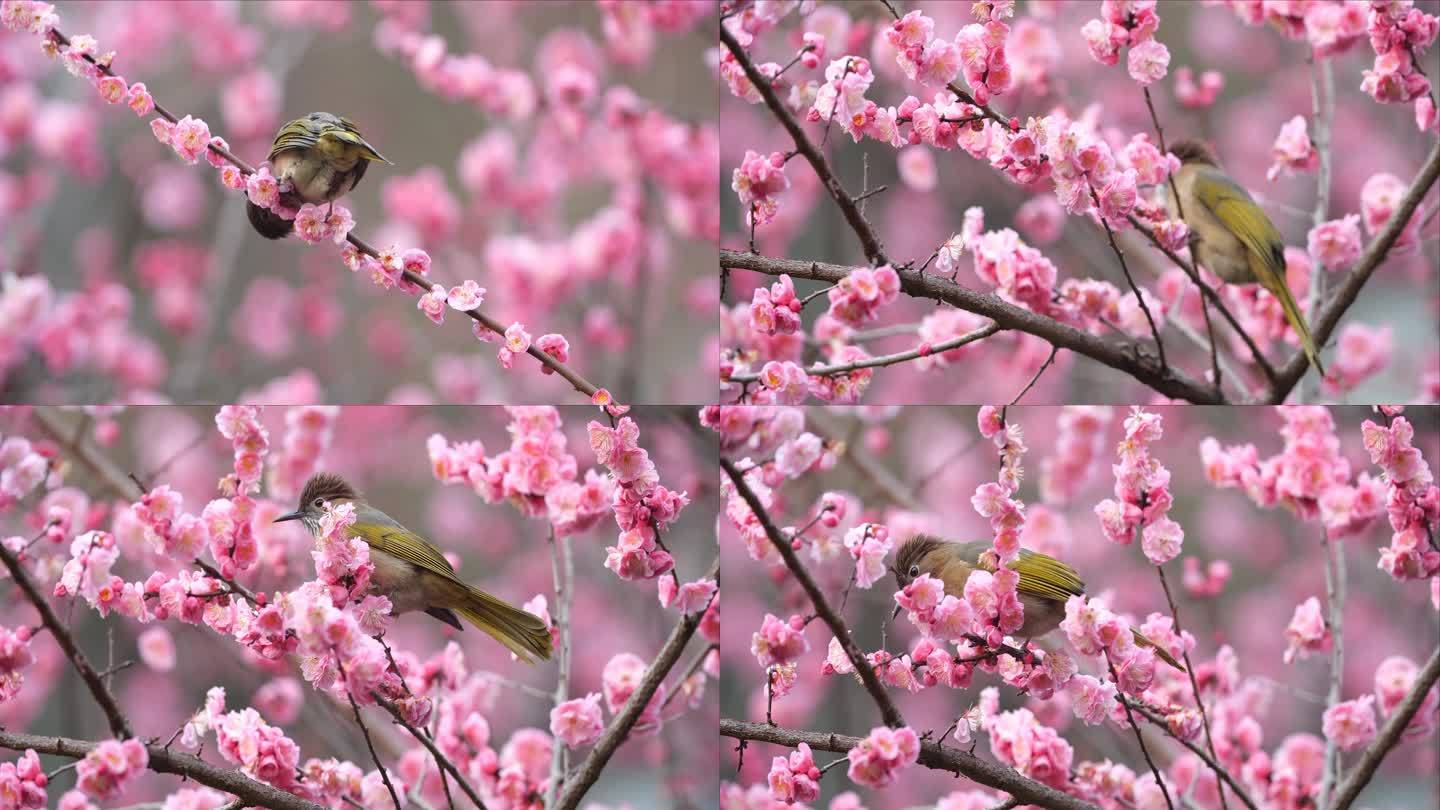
[[888, 710], [885, 359], [1120, 356], [423, 284], [1325, 324], [119, 726], [425, 740], [1139, 738], [932, 755], [869, 241], [620, 725], [1159, 722], [163, 760], [1125, 268], [1389, 734], [1194, 684]]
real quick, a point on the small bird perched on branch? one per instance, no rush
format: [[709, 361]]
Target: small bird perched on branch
[[414, 575], [1045, 582], [1237, 241], [323, 156]]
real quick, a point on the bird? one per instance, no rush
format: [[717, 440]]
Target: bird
[[323, 156], [1045, 582], [414, 575], [1236, 240]]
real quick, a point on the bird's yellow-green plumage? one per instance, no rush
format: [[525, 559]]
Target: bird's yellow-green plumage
[[1237, 241], [1045, 582], [414, 575], [322, 156]]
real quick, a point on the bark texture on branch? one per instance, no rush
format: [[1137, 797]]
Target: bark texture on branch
[[1126, 357], [251, 792], [932, 756]]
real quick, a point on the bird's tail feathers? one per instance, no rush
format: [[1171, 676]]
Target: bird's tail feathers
[[519, 630], [1160, 652], [1281, 290], [268, 223]]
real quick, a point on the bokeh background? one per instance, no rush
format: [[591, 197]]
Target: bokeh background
[[608, 242], [1267, 81], [382, 451], [915, 469]]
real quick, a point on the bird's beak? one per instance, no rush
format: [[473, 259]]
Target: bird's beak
[[896, 613], [296, 515]]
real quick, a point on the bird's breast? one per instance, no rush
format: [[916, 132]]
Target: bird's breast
[[398, 580], [316, 178]]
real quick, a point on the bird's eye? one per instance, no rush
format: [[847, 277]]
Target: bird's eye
[[914, 571], [319, 502]]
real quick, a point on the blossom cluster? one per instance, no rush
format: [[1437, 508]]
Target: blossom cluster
[[879, 758], [107, 770], [23, 781], [15, 656], [1411, 500], [1129, 24], [1142, 494], [643, 506]]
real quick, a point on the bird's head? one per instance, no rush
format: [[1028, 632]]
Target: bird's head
[[1190, 151], [907, 561], [322, 488]]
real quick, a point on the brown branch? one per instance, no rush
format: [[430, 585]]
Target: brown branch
[[579, 383], [888, 710], [619, 728], [370, 744], [869, 240], [1159, 722], [1120, 356], [872, 470], [119, 726], [162, 760], [932, 755], [885, 359], [1325, 324], [1389, 735], [1194, 684], [440, 759]]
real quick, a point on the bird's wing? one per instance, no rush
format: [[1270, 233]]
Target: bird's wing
[[1047, 577], [345, 130], [1242, 216], [400, 542], [302, 133]]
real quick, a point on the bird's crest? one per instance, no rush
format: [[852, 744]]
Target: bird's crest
[[1193, 152], [326, 487], [911, 552]]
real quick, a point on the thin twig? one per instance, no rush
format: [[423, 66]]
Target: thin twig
[[425, 740], [355, 707], [1140, 738], [1125, 268], [1036, 378], [886, 359], [562, 568], [1224, 775], [1335, 602], [1194, 684], [693, 667], [1322, 93]]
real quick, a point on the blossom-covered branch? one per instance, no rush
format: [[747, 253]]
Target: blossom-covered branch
[[161, 759], [639, 702], [1327, 321], [869, 240], [932, 755], [390, 268], [888, 711], [119, 725], [1123, 356], [1420, 695]]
